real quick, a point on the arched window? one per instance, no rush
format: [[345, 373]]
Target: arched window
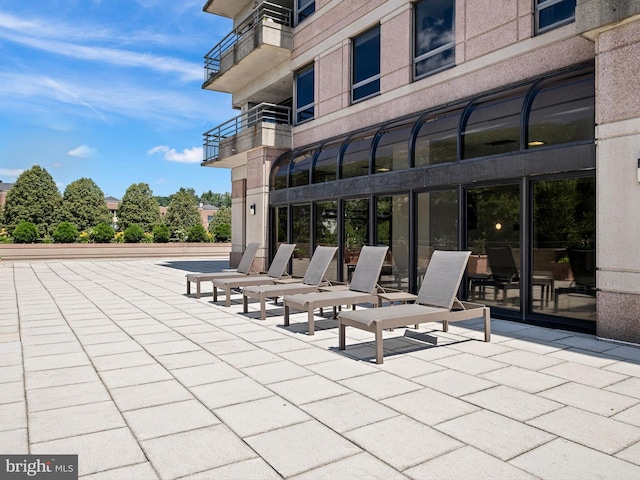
[[326, 165], [437, 139], [280, 172], [392, 148], [355, 160], [300, 167]]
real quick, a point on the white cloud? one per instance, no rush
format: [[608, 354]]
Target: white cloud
[[56, 165], [83, 151], [8, 175], [188, 155]]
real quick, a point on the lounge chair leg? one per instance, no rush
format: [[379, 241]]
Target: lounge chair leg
[[198, 293], [263, 308], [487, 325], [312, 327], [342, 331], [245, 301], [215, 293], [227, 300], [188, 287], [445, 325], [379, 354], [286, 315]]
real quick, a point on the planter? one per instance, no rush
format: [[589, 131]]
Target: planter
[[561, 271], [477, 264]]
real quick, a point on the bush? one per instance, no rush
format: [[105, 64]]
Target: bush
[[161, 234], [65, 232], [102, 233], [197, 233], [25, 232], [222, 232], [133, 234]]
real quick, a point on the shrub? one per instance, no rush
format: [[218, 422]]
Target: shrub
[[4, 236], [161, 234], [222, 232], [119, 237], [65, 232], [25, 232], [133, 234], [102, 233], [197, 233]]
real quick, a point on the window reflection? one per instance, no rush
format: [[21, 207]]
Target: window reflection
[[392, 150], [552, 14], [434, 36], [279, 234], [356, 232], [437, 140], [392, 229], [280, 172], [299, 170], [326, 164], [300, 235], [327, 231], [366, 65], [355, 161]]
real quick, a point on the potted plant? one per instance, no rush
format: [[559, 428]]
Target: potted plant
[[478, 258]]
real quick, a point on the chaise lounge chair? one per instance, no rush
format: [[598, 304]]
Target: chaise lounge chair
[[312, 279], [275, 272], [244, 268], [362, 288], [436, 301]]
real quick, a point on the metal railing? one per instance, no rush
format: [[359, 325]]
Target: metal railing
[[265, 10], [261, 113]]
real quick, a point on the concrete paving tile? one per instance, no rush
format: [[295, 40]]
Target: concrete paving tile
[[98, 338], [467, 463], [591, 399], [587, 342], [97, 329], [249, 358], [98, 451], [161, 337], [259, 416], [594, 431], [228, 346], [523, 379], [408, 367], [181, 454], [631, 454], [495, 434], [429, 406], [11, 374], [205, 374], [61, 376], [341, 368], [53, 349], [230, 392], [584, 374], [276, 372], [453, 383], [481, 349], [167, 419], [174, 347], [71, 421], [309, 356], [39, 331], [629, 387], [187, 359], [132, 472], [13, 415], [362, 466], [302, 447], [380, 385], [146, 329], [562, 459], [471, 364], [102, 349], [122, 360], [530, 345], [528, 360], [215, 335], [124, 377], [512, 403], [584, 357], [631, 416], [254, 469], [52, 362], [49, 339], [12, 392], [626, 353], [625, 368], [66, 396], [14, 442], [308, 389], [149, 395], [402, 442], [263, 335]]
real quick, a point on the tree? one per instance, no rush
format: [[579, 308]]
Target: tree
[[220, 225], [183, 212], [216, 199], [83, 204], [138, 207], [33, 198]]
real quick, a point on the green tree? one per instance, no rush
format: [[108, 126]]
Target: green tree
[[221, 224], [216, 199], [83, 204], [138, 207], [33, 198], [183, 212]]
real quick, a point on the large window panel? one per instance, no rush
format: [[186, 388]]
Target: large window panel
[[279, 234], [366, 65], [355, 160], [434, 47], [325, 168], [305, 91], [326, 232], [280, 172], [552, 14], [392, 229], [301, 235], [356, 232], [300, 169], [392, 149], [437, 140], [304, 9]]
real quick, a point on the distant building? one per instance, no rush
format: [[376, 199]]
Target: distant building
[[4, 189]]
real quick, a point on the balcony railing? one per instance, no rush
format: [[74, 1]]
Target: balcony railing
[[264, 11], [261, 113]]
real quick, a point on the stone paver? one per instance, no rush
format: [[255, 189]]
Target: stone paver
[[111, 361]]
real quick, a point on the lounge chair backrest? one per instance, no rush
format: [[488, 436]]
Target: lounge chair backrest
[[247, 257], [503, 266], [365, 276], [442, 279], [281, 260], [319, 264]]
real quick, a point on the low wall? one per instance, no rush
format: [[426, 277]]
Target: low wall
[[78, 251]]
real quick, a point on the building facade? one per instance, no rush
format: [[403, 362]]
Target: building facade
[[509, 128]]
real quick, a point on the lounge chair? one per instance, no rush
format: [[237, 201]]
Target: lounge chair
[[436, 301], [244, 268], [312, 279], [275, 272], [583, 266], [362, 288]]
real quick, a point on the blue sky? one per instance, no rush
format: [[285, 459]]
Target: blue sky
[[110, 90]]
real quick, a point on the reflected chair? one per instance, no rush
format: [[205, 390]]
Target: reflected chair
[[583, 266], [313, 278], [436, 301], [244, 268]]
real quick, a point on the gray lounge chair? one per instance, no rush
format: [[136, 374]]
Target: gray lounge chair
[[362, 288], [275, 272], [312, 279], [436, 301], [244, 268]]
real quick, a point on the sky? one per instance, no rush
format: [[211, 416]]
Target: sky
[[110, 90]]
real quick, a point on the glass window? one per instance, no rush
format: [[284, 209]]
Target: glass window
[[437, 140], [434, 36], [493, 125], [299, 170], [551, 14], [326, 233], [392, 148], [301, 235], [356, 232], [304, 9], [279, 234], [392, 229], [280, 172], [305, 95], [366, 65], [326, 164], [355, 160], [562, 110]]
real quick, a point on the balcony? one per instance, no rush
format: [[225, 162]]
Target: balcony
[[265, 125], [257, 45]]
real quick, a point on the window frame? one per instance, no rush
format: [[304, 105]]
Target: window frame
[[539, 6], [436, 51], [297, 111], [300, 7], [372, 78]]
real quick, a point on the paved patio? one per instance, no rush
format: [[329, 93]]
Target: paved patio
[[111, 360]]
